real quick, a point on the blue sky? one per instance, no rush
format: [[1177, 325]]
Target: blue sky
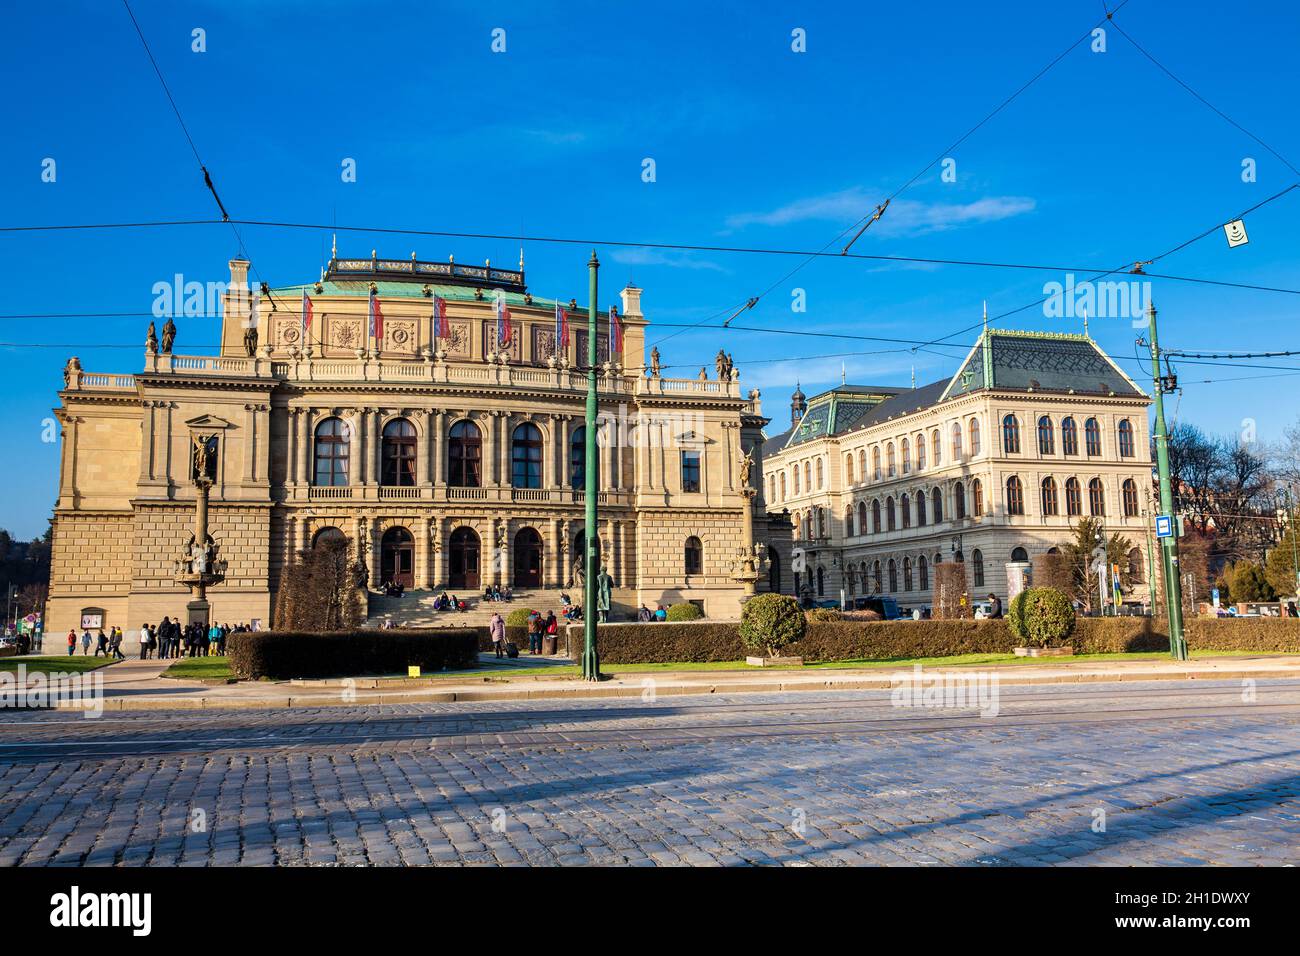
[[1102, 161]]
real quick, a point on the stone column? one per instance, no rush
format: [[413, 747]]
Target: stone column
[[555, 561], [147, 442], [487, 425], [439, 472], [377, 447], [504, 463], [376, 559], [563, 468], [439, 561], [423, 555], [250, 441]]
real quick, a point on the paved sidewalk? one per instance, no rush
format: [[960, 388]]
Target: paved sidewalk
[[136, 685]]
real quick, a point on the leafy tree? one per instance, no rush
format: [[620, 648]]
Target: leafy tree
[[1082, 583], [769, 622], [320, 590], [1280, 569]]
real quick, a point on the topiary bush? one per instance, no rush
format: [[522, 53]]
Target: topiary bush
[[684, 612], [518, 617], [1041, 617], [769, 622]]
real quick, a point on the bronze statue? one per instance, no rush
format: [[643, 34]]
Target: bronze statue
[[604, 587], [747, 465], [151, 339], [168, 336], [202, 457]]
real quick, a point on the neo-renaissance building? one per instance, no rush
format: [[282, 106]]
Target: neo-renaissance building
[[989, 467], [453, 466]]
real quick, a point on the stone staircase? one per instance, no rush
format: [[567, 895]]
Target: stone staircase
[[415, 608]]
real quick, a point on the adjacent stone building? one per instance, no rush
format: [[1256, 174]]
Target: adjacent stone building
[[451, 463], [989, 467]]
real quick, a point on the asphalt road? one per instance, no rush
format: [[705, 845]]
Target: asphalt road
[[1193, 772]]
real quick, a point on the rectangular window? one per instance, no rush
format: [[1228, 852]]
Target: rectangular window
[[690, 471]]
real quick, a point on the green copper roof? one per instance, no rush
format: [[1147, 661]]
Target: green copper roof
[[412, 290], [1039, 361]]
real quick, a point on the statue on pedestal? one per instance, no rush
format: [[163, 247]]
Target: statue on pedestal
[[250, 341], [654, 362], [604, 587], [168, 336], [151, 339]]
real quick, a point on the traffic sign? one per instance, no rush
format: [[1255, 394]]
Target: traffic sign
[[1164, 526]]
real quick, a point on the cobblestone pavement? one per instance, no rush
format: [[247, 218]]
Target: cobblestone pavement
[[1178, 773]]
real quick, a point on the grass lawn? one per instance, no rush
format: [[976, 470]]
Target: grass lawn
[[67, 665], [200, 668]]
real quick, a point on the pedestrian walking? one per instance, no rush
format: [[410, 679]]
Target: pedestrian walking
[[497, 630], [101, 643], [534, 633], [85, 642]]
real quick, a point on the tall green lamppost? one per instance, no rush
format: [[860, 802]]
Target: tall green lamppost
[[591, 482], [1169, 545]]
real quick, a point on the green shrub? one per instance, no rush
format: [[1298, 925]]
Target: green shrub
[[1043, 617], [282, 655], [769, 622], [684, 612], [518, 617], [824, 614]]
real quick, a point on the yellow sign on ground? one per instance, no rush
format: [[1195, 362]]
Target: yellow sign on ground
[[413, 672]]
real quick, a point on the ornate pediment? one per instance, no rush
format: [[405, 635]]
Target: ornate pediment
[[207, 422]]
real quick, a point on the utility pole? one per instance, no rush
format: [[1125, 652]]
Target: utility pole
[[1169, 545], [591, 482]]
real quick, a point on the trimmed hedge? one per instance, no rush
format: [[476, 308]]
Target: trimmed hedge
[[684, 612], [282, 655], [657, 643]]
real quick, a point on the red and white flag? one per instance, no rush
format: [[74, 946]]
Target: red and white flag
[[561, 327], [441, 327], [376, 317], [306, 315]]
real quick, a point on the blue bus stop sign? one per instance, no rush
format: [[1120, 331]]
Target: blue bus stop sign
[[1164, 526]]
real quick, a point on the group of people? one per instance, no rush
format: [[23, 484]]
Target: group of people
[[166, 640], [571, 612], [449, 602], [538, 628], [494, 592], [110, 644], [645, 615]]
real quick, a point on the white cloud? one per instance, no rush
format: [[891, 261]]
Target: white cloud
[[904, 216], [664, 257]]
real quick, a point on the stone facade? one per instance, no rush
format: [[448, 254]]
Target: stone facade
[[126, 504], [861, 467]]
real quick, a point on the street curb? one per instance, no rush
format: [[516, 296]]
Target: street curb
[[637, 689]]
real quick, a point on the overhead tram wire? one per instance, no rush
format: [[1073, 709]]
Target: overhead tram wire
[[875, 214], [1130, 265]]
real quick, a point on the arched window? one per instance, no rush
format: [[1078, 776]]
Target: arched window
[[1046, 436], [890, 464], [807, 477], [905, 507], [1015, 496], [848, 468], [797, 524], [1130, 498], [956, 441], [1135, 566], [936, 452], [1126, 439], [850, 578], [977, 567], [1069, 437], [1010, 435], [889, 513], [875, 516], [578, 460], [920, 453], [922, 574], [821, 477], [1092, 437], [526, 456], [332, 442], [464, 456], [848, 520], [920, 509], [693, 558], [1073, 499], [862, 517], [907, 456], [1096, 497], [1020, 555], [783, 486], [936, 505], [862, 464], [327, 535], [821, 522], [958, 501], [875, 463], [796, 479], [907, 574], [893, 576], [879, 582], [976, 498], [974, 437], [398, 453], [1049, 496]]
